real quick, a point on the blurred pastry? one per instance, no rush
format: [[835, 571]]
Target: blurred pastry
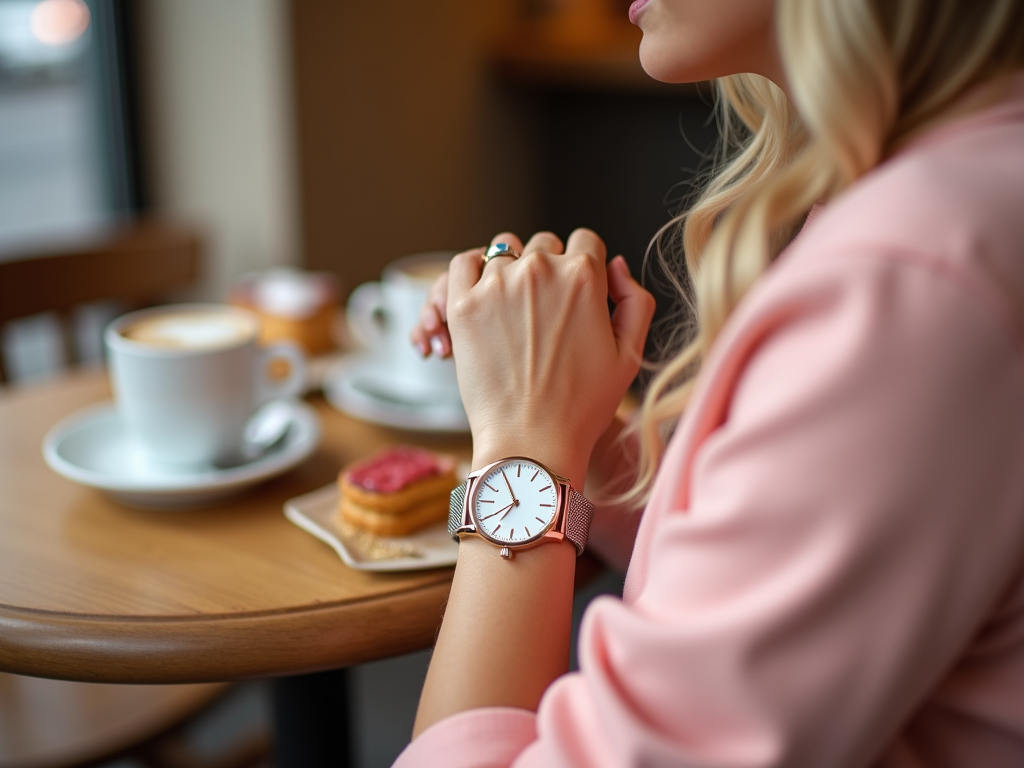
[[292, 304], [397, 491]]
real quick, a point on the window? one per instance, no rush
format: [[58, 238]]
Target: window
[[67, 162]]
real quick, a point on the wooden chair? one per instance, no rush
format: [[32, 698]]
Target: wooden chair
[[137, 264], [59, 724]]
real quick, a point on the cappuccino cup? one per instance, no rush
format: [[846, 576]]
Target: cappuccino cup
[[187, 378], [381, 315]]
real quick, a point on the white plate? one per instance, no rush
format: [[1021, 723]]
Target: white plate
[[92, 447], [316, 513], [361, 386]]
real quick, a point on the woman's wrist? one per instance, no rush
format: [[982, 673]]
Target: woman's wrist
[[569, 462]]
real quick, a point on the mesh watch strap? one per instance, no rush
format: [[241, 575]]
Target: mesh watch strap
[[578, 514], [456, 503]]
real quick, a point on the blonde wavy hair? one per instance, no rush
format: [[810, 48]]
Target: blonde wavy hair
[[864, 76]]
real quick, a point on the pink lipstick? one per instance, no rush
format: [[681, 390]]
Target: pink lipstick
[[635, 8]]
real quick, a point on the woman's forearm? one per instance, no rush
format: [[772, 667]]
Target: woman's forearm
[[507, 625], [506, 630]]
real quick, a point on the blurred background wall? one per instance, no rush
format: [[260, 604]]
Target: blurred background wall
[[216, 116], [404, 143], [341, 135], [338, 135]]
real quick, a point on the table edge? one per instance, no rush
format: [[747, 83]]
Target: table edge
[[214, 649]]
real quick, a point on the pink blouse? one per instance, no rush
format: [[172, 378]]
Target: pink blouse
[[830, 571]]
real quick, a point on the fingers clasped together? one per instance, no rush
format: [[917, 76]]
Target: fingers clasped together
[[533, 336]]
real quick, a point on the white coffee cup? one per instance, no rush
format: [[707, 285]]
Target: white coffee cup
[[380, 317], [188, 377]]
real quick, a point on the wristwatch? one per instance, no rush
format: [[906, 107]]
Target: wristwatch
[[518, 503]]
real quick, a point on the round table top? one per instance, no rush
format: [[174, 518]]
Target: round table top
[[94, 591]]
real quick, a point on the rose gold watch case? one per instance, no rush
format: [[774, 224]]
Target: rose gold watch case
[[553, 531]]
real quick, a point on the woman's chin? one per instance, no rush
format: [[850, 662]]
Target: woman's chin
[[654, 65], [668, 66], [664, 69]]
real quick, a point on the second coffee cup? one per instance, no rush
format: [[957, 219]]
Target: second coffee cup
[[380, 317], [187, 378]]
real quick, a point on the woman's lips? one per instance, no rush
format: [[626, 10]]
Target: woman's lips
[[635, 8]]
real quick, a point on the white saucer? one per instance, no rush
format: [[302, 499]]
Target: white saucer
[[92, 447], [316, 513], [360, 385]]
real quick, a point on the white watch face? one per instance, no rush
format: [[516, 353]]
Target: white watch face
[[514, 503]]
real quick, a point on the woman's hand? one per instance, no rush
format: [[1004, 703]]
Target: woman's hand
[[541, 364]]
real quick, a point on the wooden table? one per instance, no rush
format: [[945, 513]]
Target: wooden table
[[93, 591]]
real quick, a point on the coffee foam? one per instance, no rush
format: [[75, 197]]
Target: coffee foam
[[190, 330], [425, 270]]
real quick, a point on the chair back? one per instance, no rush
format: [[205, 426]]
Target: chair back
[[136, 264]]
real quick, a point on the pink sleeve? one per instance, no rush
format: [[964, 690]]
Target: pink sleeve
[[849, 527], [480, 738]]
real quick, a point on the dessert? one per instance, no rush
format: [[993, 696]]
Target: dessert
[[396, 491], [292, 304]]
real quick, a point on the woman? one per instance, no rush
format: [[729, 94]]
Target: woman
[[829, 569]]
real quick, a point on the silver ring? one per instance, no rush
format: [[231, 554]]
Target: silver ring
[[500, 249]]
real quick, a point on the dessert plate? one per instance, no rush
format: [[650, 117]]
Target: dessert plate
[[361, 385], [92, 447], [316, 513]]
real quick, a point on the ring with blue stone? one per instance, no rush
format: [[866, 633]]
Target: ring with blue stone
[[500, 249]]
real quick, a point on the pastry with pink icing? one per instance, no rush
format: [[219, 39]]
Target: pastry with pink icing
[[397, 491]]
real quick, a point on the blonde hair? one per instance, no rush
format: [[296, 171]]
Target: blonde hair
[[863, 77]]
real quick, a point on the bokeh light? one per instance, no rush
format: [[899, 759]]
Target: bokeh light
[[59, 22]]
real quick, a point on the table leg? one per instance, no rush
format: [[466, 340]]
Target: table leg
[[312, 721]]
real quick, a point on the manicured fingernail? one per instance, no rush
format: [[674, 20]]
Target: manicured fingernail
[[423, 348], [437, 344], [623, 264]]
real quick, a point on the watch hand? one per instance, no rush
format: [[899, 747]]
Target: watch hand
[[503, 509], [509, 487]]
